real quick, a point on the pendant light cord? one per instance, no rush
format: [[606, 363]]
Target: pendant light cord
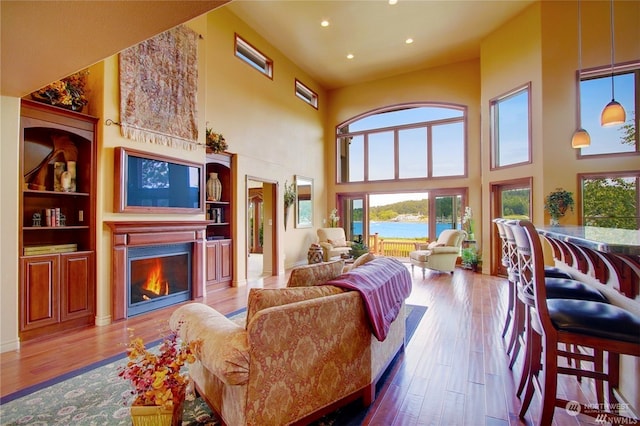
[[612, 49]]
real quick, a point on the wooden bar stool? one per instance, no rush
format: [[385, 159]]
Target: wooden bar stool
[[558, 286], [570, 322]]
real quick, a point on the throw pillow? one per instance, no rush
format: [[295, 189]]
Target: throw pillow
[[434, 244], [262, 298], [314, 274], [338, 242], [367, 257]]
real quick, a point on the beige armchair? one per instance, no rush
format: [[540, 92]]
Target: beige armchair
[[440, 255], [333, 242]]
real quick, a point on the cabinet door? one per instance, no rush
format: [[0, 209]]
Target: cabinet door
[[77, 295], [226, 263], [39, 291], [212, 262]]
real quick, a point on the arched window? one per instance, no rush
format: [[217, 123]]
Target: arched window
[[414, 141]]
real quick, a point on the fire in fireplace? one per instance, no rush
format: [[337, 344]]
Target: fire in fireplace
[[158, 276]]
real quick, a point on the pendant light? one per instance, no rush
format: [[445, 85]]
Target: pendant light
[[580, 138], [613, 113]]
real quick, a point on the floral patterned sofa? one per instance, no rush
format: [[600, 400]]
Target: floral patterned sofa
[[305, 351]]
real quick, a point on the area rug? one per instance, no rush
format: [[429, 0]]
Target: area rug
[[95, 395]]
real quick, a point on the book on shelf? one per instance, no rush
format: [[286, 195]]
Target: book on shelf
[[50, 249]]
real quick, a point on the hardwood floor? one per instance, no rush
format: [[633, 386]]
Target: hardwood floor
[[454, 371]]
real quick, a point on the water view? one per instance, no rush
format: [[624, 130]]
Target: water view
[[399, 229]]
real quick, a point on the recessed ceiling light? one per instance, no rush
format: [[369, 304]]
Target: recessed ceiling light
[[392, 2], [324, 23], [350, 56], [409, 40]]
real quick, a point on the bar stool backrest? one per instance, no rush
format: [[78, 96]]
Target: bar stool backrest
[[512, 251], [503, 239], [531, 267]]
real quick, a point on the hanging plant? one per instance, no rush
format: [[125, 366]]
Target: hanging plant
[[290, 196], [557, 203]]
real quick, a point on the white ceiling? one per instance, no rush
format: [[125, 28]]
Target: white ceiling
[[444, 31], [43, 41]]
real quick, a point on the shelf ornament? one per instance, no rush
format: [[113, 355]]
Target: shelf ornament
[[215, 141], [66, 93]]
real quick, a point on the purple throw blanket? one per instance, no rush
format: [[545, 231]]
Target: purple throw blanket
[[384, 284]]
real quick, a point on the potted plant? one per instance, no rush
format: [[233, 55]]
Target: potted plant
[[159, 386], [557, 203], [358, 248], [470, 258]]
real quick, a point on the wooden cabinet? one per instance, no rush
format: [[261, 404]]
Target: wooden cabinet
[[219, 271], [219, 215], [57, 226]]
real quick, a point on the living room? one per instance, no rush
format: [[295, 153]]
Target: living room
[[538, 46]]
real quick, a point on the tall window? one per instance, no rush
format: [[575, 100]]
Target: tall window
[[595, 93], [406, 142], [611, 200], [511, 128]]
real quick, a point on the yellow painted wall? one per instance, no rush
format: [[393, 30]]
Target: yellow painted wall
[[275, 134], [9, 216]]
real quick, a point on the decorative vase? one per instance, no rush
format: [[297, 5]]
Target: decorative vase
[[555, 221], [58, 169], [71, 168], [65, 181], [214, 187], [315, 255]]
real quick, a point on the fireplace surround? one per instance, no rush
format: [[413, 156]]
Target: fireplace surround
[[136, 236]]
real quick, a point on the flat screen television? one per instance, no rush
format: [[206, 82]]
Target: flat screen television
[[151, 183]]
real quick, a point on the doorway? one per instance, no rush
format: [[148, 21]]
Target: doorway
[[262, 259], [509, 200]]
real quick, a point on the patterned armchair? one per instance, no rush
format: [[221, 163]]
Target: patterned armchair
[[440, 255]]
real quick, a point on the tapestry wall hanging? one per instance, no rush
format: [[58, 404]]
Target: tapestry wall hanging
[[158, 87]]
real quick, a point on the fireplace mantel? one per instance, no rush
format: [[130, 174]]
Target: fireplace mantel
[[127, 234]]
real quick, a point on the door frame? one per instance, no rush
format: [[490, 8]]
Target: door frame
[[495, 191], [274, 185]]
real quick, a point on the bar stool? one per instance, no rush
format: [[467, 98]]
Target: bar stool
[[586, 323], [504, 260], [558, 286]]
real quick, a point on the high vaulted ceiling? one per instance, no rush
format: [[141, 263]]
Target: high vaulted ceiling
[[43, 41], [443, 31]]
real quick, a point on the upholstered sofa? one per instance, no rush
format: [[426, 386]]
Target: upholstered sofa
[[333, 242], [304, 352]]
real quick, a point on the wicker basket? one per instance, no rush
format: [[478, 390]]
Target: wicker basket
[[155, 415]]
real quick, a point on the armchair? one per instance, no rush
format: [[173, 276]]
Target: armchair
[[440, 255], [333, 242]]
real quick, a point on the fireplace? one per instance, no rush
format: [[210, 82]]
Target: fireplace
[[158, 276], [140, 250]]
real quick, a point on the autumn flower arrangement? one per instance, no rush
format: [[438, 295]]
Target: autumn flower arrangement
[[67, 93], [156, 376], [215, 141]]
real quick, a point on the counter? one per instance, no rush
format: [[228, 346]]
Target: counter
[[611, 256]]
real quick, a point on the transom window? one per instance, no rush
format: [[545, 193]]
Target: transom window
[[511, 128], [253, 56], [403, 142], [595, 93]]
